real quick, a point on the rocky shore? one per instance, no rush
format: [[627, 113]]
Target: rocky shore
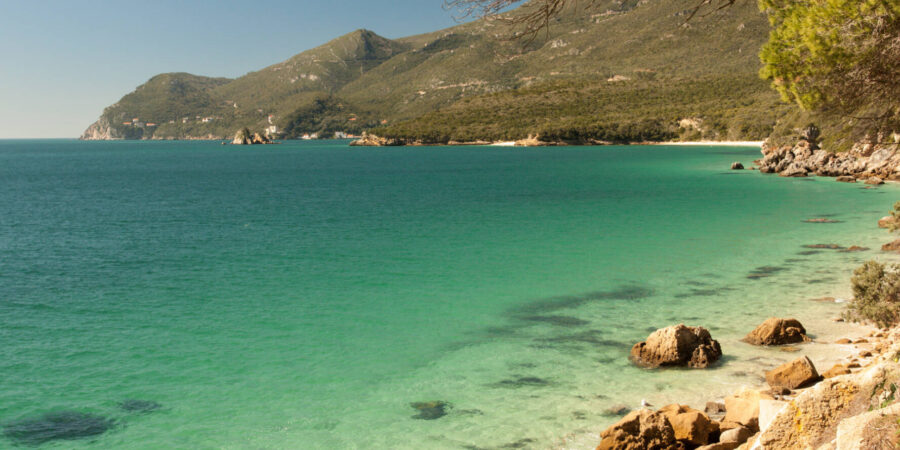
[[869, 162], [851, 405]]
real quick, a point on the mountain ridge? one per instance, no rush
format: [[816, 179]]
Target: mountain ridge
[[362, 81]]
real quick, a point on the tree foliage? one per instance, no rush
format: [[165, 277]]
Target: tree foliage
[[876, 294], [839, 57]]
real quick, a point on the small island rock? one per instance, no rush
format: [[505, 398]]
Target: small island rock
[[677, 345], [775, 331], [737, 166]]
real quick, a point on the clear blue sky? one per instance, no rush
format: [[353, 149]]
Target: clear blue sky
[[63, 61]]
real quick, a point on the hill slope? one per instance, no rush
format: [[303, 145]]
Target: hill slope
[[623, 61]]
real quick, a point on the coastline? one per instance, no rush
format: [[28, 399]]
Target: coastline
[[835, 344]]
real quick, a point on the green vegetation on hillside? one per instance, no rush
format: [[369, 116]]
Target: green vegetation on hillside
[[837, 60], [467, 83]]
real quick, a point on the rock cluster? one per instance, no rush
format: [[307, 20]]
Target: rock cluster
[[775, 331], [243, 137], [864, 161], [856, 406], [677, 345], [371, 140]]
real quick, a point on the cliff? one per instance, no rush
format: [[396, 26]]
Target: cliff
[[101, 131]]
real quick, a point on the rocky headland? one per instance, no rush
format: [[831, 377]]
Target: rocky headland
[[867, 161]]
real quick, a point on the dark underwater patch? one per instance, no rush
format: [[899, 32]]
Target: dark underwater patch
[[809, 252], [139, 406], [561, 321], [547, 305], [824, 246], [430, 410], [57, 426], [520, 382], [764, 271], [704, 292], [585, 337]]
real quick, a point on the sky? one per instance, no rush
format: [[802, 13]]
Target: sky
[[63, 61]]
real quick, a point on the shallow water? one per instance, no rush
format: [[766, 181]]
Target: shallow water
[[304, 295]]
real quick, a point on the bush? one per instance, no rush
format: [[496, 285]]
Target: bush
[[876, 294]]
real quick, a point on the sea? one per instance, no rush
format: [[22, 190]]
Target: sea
[[313, 295]]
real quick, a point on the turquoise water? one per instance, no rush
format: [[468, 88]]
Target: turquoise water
[[302, 295]]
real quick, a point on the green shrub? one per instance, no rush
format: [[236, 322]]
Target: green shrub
[[876, 294]]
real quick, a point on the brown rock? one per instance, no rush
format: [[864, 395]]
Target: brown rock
[[865, 354], [720, 446], [690, 426], [775, 331], [737, 166], [885, 222], [795, 374], [714, 408], [843, 341], [845, 179], [861, 341], [743, 408], [891, 246], [737, 435], [677, 345], [837, 370], [875, 181], [855, 248], [642, 429]]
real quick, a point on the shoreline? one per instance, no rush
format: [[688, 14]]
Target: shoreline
[[847, 351]]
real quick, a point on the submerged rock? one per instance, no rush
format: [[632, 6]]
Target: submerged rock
[[430, 410], [677, 345], [63, 425], [775, 331], [523, 382], [845, 179], [737, 166], [139, 406]]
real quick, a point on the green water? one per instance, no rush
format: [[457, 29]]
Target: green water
[[302, 295]]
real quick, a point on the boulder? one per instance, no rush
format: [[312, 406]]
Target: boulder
[[737, 435], [642, 429], [845, 179], [843, 341], [742, 408], [737, 166], [885, 222], [794, 170], [837, 370], [677, 345], [775, 331], [875, 181], [891, 246], [795, 374], [690, 426]]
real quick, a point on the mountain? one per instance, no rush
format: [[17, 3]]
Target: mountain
[[624, 69]]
